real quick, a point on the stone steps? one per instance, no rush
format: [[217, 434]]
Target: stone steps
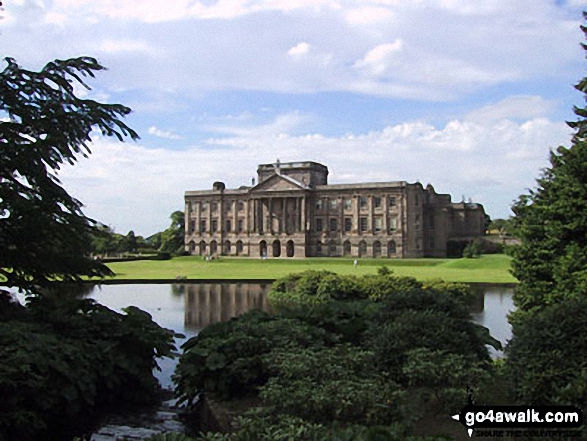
[[141, 426]]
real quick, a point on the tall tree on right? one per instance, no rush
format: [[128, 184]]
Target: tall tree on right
[[551, 222]]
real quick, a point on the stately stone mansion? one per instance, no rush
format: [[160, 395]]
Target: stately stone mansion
[[292, 211]]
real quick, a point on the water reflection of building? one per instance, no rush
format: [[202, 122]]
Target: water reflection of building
[[207, 303]]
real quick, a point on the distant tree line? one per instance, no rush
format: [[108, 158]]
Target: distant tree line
[[106, 243]]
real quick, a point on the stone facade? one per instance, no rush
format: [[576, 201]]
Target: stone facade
[[293, 212]]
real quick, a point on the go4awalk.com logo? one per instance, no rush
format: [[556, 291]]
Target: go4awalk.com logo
[[543, 421]]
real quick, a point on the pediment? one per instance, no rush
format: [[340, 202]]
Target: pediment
[[278, 183]]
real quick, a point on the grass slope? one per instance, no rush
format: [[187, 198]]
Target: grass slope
[[488, 269]]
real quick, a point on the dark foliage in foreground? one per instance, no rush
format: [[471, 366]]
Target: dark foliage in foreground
[[43, 233], [62, 360]]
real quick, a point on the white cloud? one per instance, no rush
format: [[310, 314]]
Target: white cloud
[[428, 49], [163, 134], [299, 50], [131, 186], [514, 107], [378, 59], [367, 15]]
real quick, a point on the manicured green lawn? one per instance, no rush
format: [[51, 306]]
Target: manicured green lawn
[[489, 268]]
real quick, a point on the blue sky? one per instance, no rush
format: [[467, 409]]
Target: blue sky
[[469, 95]]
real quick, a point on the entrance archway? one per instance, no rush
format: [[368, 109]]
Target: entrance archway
[[276, 248], [202, 248], [346, 248], [289, 248], [227, 247], [263, 249], [213, 248], [239, 247], [362, 248]]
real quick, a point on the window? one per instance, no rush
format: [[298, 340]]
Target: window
[[363, 224], [348, 224], [214, 225], [391, 201], [228, 225], [431, 222], [332, 249], [363, 202], [378, 224], [192, 226], [392, 224], [333, 204], [319, 248], [318, 224], [214, 206], [319, 204], [348, 204], [333, 224], [203, 226], [240, 206], [241, 224], [377, 201], [204, 206]]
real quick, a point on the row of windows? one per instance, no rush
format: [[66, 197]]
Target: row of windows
[[240, 206], [320, 204], [363, 224], [348, 203], [214, 226]]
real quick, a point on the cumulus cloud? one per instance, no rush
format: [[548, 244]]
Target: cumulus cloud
[[132, 186], [377, 60], [162, 133], [299, 50], [440, 49]]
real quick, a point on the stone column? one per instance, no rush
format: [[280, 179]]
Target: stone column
[[209, 221], [270, 216], [370, 221], [303, 214], [296, 225], [341, 219], [235, 216], [357, 205], [283, 229], [385, 214], [247, 214]]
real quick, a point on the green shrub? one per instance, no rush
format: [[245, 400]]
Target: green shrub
[[472, 250], [311, 288], [227, 358], [348, 320], [62, 359], [546, 357], [322, 385], [425, 318]]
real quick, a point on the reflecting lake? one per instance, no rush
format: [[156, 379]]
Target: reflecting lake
[[187, 308]]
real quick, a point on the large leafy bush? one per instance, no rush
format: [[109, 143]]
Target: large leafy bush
[[63, 360], [228, 358], [311, 288]]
